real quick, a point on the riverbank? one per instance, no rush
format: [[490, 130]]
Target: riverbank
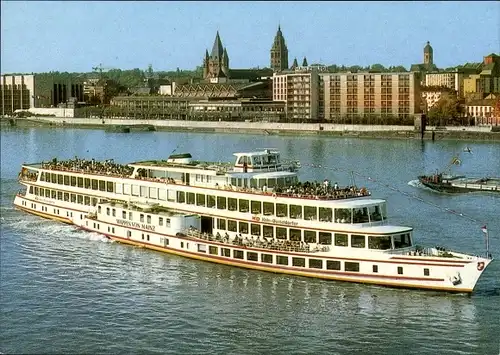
[[268, 128]]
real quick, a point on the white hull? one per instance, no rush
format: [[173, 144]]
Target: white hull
[[452, 274]]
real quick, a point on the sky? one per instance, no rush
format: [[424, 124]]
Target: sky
[[39, 36]]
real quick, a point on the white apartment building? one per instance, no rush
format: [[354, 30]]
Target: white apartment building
[[450, 80]]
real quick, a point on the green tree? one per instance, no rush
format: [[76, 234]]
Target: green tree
[[447, 111]]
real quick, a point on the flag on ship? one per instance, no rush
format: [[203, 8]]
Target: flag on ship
[[484, 229], [456, 161]]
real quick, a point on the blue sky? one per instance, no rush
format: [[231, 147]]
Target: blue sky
[[75, 36]]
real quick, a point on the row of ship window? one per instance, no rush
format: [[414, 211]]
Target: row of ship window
[[144, 218], [310, 213]]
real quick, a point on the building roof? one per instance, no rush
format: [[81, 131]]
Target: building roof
[[217, 49], [250, 74], [428, 48]]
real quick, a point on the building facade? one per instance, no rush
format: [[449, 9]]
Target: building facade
[[216, 65], [279, 53], [22, 92], [483, 112]]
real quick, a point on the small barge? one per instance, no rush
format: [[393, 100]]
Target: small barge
[[459, 183]]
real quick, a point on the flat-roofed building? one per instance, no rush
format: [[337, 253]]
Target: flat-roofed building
[[483, 112], [368, 96], [22, 92], [299, 90]]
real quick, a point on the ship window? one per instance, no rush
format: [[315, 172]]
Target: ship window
[[102, 185], [221, 203], [426, 272], [232, 204], [243, 227], [325, 238], [129, 234], [268, 208], [360, 215], [99, 209], [94, 201], [252, 256], [253, 183], [256, 207], [147, 237], [402, 241], [280, 233], [375, 268], [231, 225], [295, 211], [310, 213], [221, 223], [59, 179], [262, 183], [255, 229], [400, 270], [54, 194], [268, 231], [47, 193], [382, 242], [281, 210], [281, 260], [202, 248], [266, 258], [124, 215], [357, 241], [349, 266], [200, 199], [333, 265], [310, 236], [107, 211], [238, 254], [160, 221], [53, 178], [87, 183], [213, 250], [271, 183], [94, 184], [148, 219], [210, 201], [144, 191], [37, 191], [295, 235], [225, 252], [66, 196], [59, 195], [316, 263], [190, 198], [130, 215], [374, 212], [113, 212], [299, 262], [325, 214], [341, 239], [243, 205], [80, 182], [342, 215], [42, 177], [109, 186], [79, 199], [181, 197], [73, 198], [31, 189], [141, 217], [167, 222], [73, 181]]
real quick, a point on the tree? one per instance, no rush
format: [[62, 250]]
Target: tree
[[447, 111], [378, 68]]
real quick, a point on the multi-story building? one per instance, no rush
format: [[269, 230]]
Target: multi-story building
[[22, 92], [483, 112], [452, 80], [299, 90], [431, 95], [369, 95]]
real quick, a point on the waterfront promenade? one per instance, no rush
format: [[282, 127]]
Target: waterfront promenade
[[271, 128]]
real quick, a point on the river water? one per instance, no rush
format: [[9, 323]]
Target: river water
[[67, 291]]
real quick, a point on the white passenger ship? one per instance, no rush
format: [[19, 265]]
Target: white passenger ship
[[253, 214]]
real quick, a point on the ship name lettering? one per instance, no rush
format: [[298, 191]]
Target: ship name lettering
[[279, 221]]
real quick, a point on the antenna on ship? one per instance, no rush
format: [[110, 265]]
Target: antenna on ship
[[352, 179]]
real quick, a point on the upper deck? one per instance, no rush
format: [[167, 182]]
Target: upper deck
[[260, 172]]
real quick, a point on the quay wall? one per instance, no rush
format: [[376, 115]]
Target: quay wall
[[372, 131]]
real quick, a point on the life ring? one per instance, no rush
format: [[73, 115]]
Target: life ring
[[480, 266]]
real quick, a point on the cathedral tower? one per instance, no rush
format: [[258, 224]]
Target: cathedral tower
[[216, 65], [279, 53]]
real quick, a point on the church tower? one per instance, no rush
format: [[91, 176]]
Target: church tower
[[216, 65], [428, 55], [279, 53]]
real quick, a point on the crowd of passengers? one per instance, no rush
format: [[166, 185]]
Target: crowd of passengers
[[320, 190], [258, 242], [107, 167]]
